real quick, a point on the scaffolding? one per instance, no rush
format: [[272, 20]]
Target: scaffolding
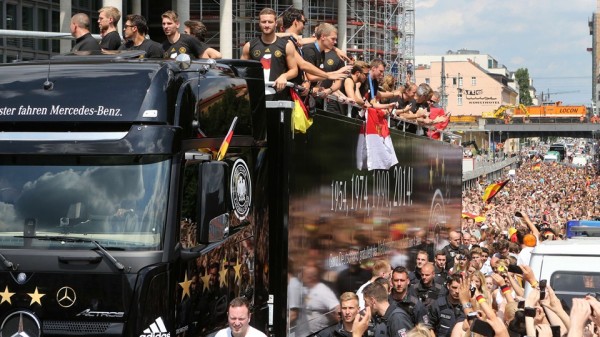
[[382, 29], [375, 29], [245, 19]]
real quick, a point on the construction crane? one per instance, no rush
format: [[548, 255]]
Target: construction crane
[[548, 93]]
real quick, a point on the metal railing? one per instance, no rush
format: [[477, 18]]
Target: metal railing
[[444, 135]]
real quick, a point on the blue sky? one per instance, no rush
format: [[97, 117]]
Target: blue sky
[[549, 38]]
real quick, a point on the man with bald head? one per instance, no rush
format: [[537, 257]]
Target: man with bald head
[[427, 290], [80, 29], [452, 249]]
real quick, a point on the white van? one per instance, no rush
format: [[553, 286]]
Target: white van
[[571, 267], [551, 158], [580, 161]]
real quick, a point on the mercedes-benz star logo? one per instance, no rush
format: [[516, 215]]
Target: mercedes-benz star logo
[[66, 297]]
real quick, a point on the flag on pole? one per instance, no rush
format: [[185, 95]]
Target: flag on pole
[[380, 153], [492, 190], [227, 140]]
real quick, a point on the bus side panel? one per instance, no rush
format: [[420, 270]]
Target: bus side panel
[[341, 214]]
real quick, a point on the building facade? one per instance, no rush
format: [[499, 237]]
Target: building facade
[[470, 84], [37, 15], [367, 29]]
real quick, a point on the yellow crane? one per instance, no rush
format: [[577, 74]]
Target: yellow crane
[[501, 111]]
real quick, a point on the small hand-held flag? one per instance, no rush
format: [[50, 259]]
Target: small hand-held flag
[[492, 190], [227, 140]]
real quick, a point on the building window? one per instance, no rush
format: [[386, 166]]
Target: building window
[[11, 23], [454, 81], [473, 81], [459, 98], [427, 80], [55, 22], [460, 81], [1, 27], [27, 24]]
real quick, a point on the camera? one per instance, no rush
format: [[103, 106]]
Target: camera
[[542, 285], [529, 312], [471, 316]]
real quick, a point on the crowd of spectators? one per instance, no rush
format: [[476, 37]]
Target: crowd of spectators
[[474, 283]]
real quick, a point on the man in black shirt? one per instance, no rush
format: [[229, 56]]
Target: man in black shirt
[[314, 53], [274, 53], [107, 21], [178, 43], [134, 31], [80, 29], [332, 63]]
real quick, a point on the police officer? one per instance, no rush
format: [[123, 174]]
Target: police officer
[[390, 321], [427, 290], [441, 274], [447, 310], [404, 297]]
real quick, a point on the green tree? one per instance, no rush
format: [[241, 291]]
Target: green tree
[[522, 77]]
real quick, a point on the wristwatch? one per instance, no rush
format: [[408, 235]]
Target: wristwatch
[[467, 305]]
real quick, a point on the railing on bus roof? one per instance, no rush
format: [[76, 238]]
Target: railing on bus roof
[[444, 135]]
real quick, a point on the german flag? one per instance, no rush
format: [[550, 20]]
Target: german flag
[[492, 190], [227, 140], [536, 166]]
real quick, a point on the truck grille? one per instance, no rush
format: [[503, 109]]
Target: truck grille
[[76, 328]]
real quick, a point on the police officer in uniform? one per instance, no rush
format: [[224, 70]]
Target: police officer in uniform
[[441, 274], [403, 296], [426, 289], [447, 310], [390, 321]]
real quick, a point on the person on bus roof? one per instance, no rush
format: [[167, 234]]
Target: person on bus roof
[[178, 43], [135, 31], [107, 21], [80, 29]]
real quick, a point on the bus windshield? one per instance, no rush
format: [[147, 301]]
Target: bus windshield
[[119, 203]]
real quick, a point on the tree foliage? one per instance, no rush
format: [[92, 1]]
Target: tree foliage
[[522, 77]]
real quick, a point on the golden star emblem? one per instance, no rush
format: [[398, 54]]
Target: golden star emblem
[[205, 279], [223, 276], [36, 297], [185, 285], [6, 295], [237, 269]]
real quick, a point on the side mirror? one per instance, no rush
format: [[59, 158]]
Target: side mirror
[[212, 210]]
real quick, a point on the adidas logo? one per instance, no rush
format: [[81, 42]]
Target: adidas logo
[[156, 329]]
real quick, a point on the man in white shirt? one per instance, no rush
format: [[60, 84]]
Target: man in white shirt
[[238, 317]]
